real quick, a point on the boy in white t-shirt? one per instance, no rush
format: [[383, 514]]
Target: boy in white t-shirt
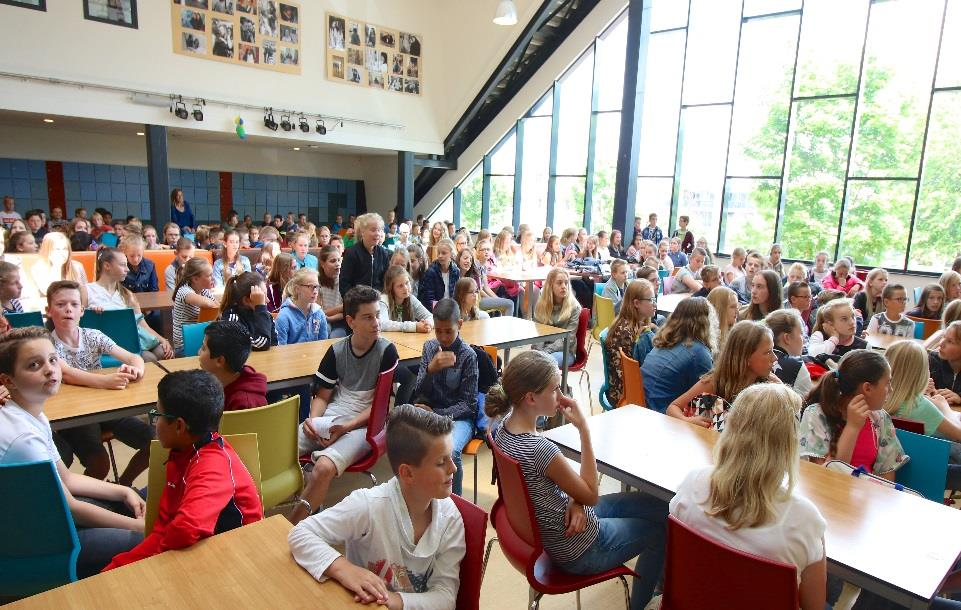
[[892, 321], [403, 540]]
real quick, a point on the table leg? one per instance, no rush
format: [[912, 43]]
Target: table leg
[[507, 356], [530, 299], [567, 340]]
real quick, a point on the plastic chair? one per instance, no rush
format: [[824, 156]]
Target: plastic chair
[[927, 470], [598, 288], [276, 428], [208, 314], [244, 444], [750, 582], [917, 295], [603, 314], [25, 319], [582, 352], [109, 239], [472, 565], [519, 537], [474, 445], [602, 394], [911, 425], [376, 432], [118, 324], [38, 540], [193, 337], [633, 382], [923, 327]]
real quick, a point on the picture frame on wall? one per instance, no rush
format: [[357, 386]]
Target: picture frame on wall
[[370, 55], [37, 5], [114, 12]]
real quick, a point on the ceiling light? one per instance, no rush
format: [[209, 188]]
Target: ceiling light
[[506, 13], [48, 120], [269, 121], [198, 112], [304, 125], [139, 133], [180, 109], [321, 128], [296, 148], [285, 123]]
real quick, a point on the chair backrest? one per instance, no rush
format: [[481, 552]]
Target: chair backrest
[[193, 337], [598, 288], [109, 239], [749, 582], [911, 425], [512, 491], [927, 469], [603, 314], [164, 258], [376, 430], [580, 352], [633, 382], [471, 566], [118, 324], [25, 319], [276, 428], [923, 327], [208, 314], [602, 394], [917, 295], [38, 540]]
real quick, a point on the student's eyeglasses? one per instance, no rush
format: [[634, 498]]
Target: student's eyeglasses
[[311, 287], [153, 414]]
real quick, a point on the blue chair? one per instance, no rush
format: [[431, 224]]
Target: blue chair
[[917, 295], [193, 338], [118, 324], [927, 470], [23, 320], [599, 288], [38, 540], [109, 239], [602, 395]]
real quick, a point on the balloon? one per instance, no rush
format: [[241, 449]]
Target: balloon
[[241, 132]]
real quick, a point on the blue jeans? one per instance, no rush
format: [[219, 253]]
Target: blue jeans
[[338, 330], [631, 524], [98, 545], [463, 431], [506, 306], [560, 357]]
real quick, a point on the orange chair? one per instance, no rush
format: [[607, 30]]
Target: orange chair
[[633, 382], [208, 314], [88, 259], [928, 327], [164, 258]]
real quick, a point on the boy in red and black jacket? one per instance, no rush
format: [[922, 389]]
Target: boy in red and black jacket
[[224, 354], [208, 488]]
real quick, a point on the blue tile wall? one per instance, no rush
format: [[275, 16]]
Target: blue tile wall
[[123, 189]]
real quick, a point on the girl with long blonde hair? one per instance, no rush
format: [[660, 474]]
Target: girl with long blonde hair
[[911, 397], [558, 307], [748, 499], [869, 302], [632, 325], [399, 308], [725, 304], [54, 263], [465, 293]]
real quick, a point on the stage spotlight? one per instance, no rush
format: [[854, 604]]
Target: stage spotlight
[[321, 128], [304, 125], [198, 113], [180, 109], [269, 121], [285, 123]]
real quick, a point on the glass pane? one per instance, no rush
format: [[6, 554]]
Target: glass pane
[[545, 107], [611, 53], [750, 211], [824, 69], [653, 197], [502, 201], [666, 14], [877, 218], [704, 132], [662, 104], [764, 7], [575, 117], [712, 51], [937, 225], [762, 96], [896, 84], [568, 204], [444, 211], [949, 68], [605, 171], [537, 148], [818, 149], [502, 160], [471, 199]]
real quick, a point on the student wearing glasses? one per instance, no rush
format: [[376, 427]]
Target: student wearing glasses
[[301, 319]]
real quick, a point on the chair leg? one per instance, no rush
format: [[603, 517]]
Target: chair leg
[[373, 479], [475, 478], [627, 592], [113, 461], [535, 598], [577, 599], [487, 556]]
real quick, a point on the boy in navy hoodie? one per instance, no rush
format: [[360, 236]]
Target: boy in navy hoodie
[[224, 354]]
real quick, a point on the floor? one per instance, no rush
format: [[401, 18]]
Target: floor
[[503, 586]]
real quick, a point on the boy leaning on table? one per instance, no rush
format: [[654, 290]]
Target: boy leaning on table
[[404, 539], [208, 489]]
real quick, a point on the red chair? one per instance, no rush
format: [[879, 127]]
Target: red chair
[[582, 352], [472, 566], [376, 432], [743, 581], [520, 539], [911, 425]]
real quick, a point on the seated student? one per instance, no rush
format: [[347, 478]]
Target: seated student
[[267, 253], [931, 304], [224, 354], [281, 271], [245, 301], [710, 279], [742, 285], [184, 252], [749, 500], [344, 390], [820, 269], [329, 298], [840, 278], [890, 319], [685, 280], [111, 521], [141, 273], [614, 287], [835, 332], [846, 420], [765, 296], [870, 301], [231, 261], [677, 256], [952, 313], [10, 288], [406, 526], [299, 243], [746, 359], [366, 261], [582, 531], [558, 307], [631, 331], [191, 293], [945, 365], [786, 327], [799, 298], [439, 280], [447, 379], [80, 350], [301, 319], [774, 262], [465, 295], [399, 309], [208, 489]]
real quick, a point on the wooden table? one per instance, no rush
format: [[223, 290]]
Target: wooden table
[[159, 300], [249, 567], [883, 342], [667, 303], [892, 543], [526, 277], [75, 405]]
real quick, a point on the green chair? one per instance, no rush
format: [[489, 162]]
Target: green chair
[[927, 470], [118, 324], [38, 540], [276, 428], [25, 319], [603, 315], [194, 337]]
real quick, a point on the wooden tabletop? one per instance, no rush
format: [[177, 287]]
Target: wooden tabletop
[[74, 405], [667, 303], [896, 544], [249, 567], [521, 275], [155, 300], [883, 342], [502, 331]]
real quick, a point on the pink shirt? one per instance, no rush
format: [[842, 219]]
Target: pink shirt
[[865, 448], [830, 283]]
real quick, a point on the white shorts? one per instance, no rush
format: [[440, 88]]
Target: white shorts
[[343, 452]]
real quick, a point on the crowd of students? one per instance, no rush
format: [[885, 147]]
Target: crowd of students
[[751, 344]]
